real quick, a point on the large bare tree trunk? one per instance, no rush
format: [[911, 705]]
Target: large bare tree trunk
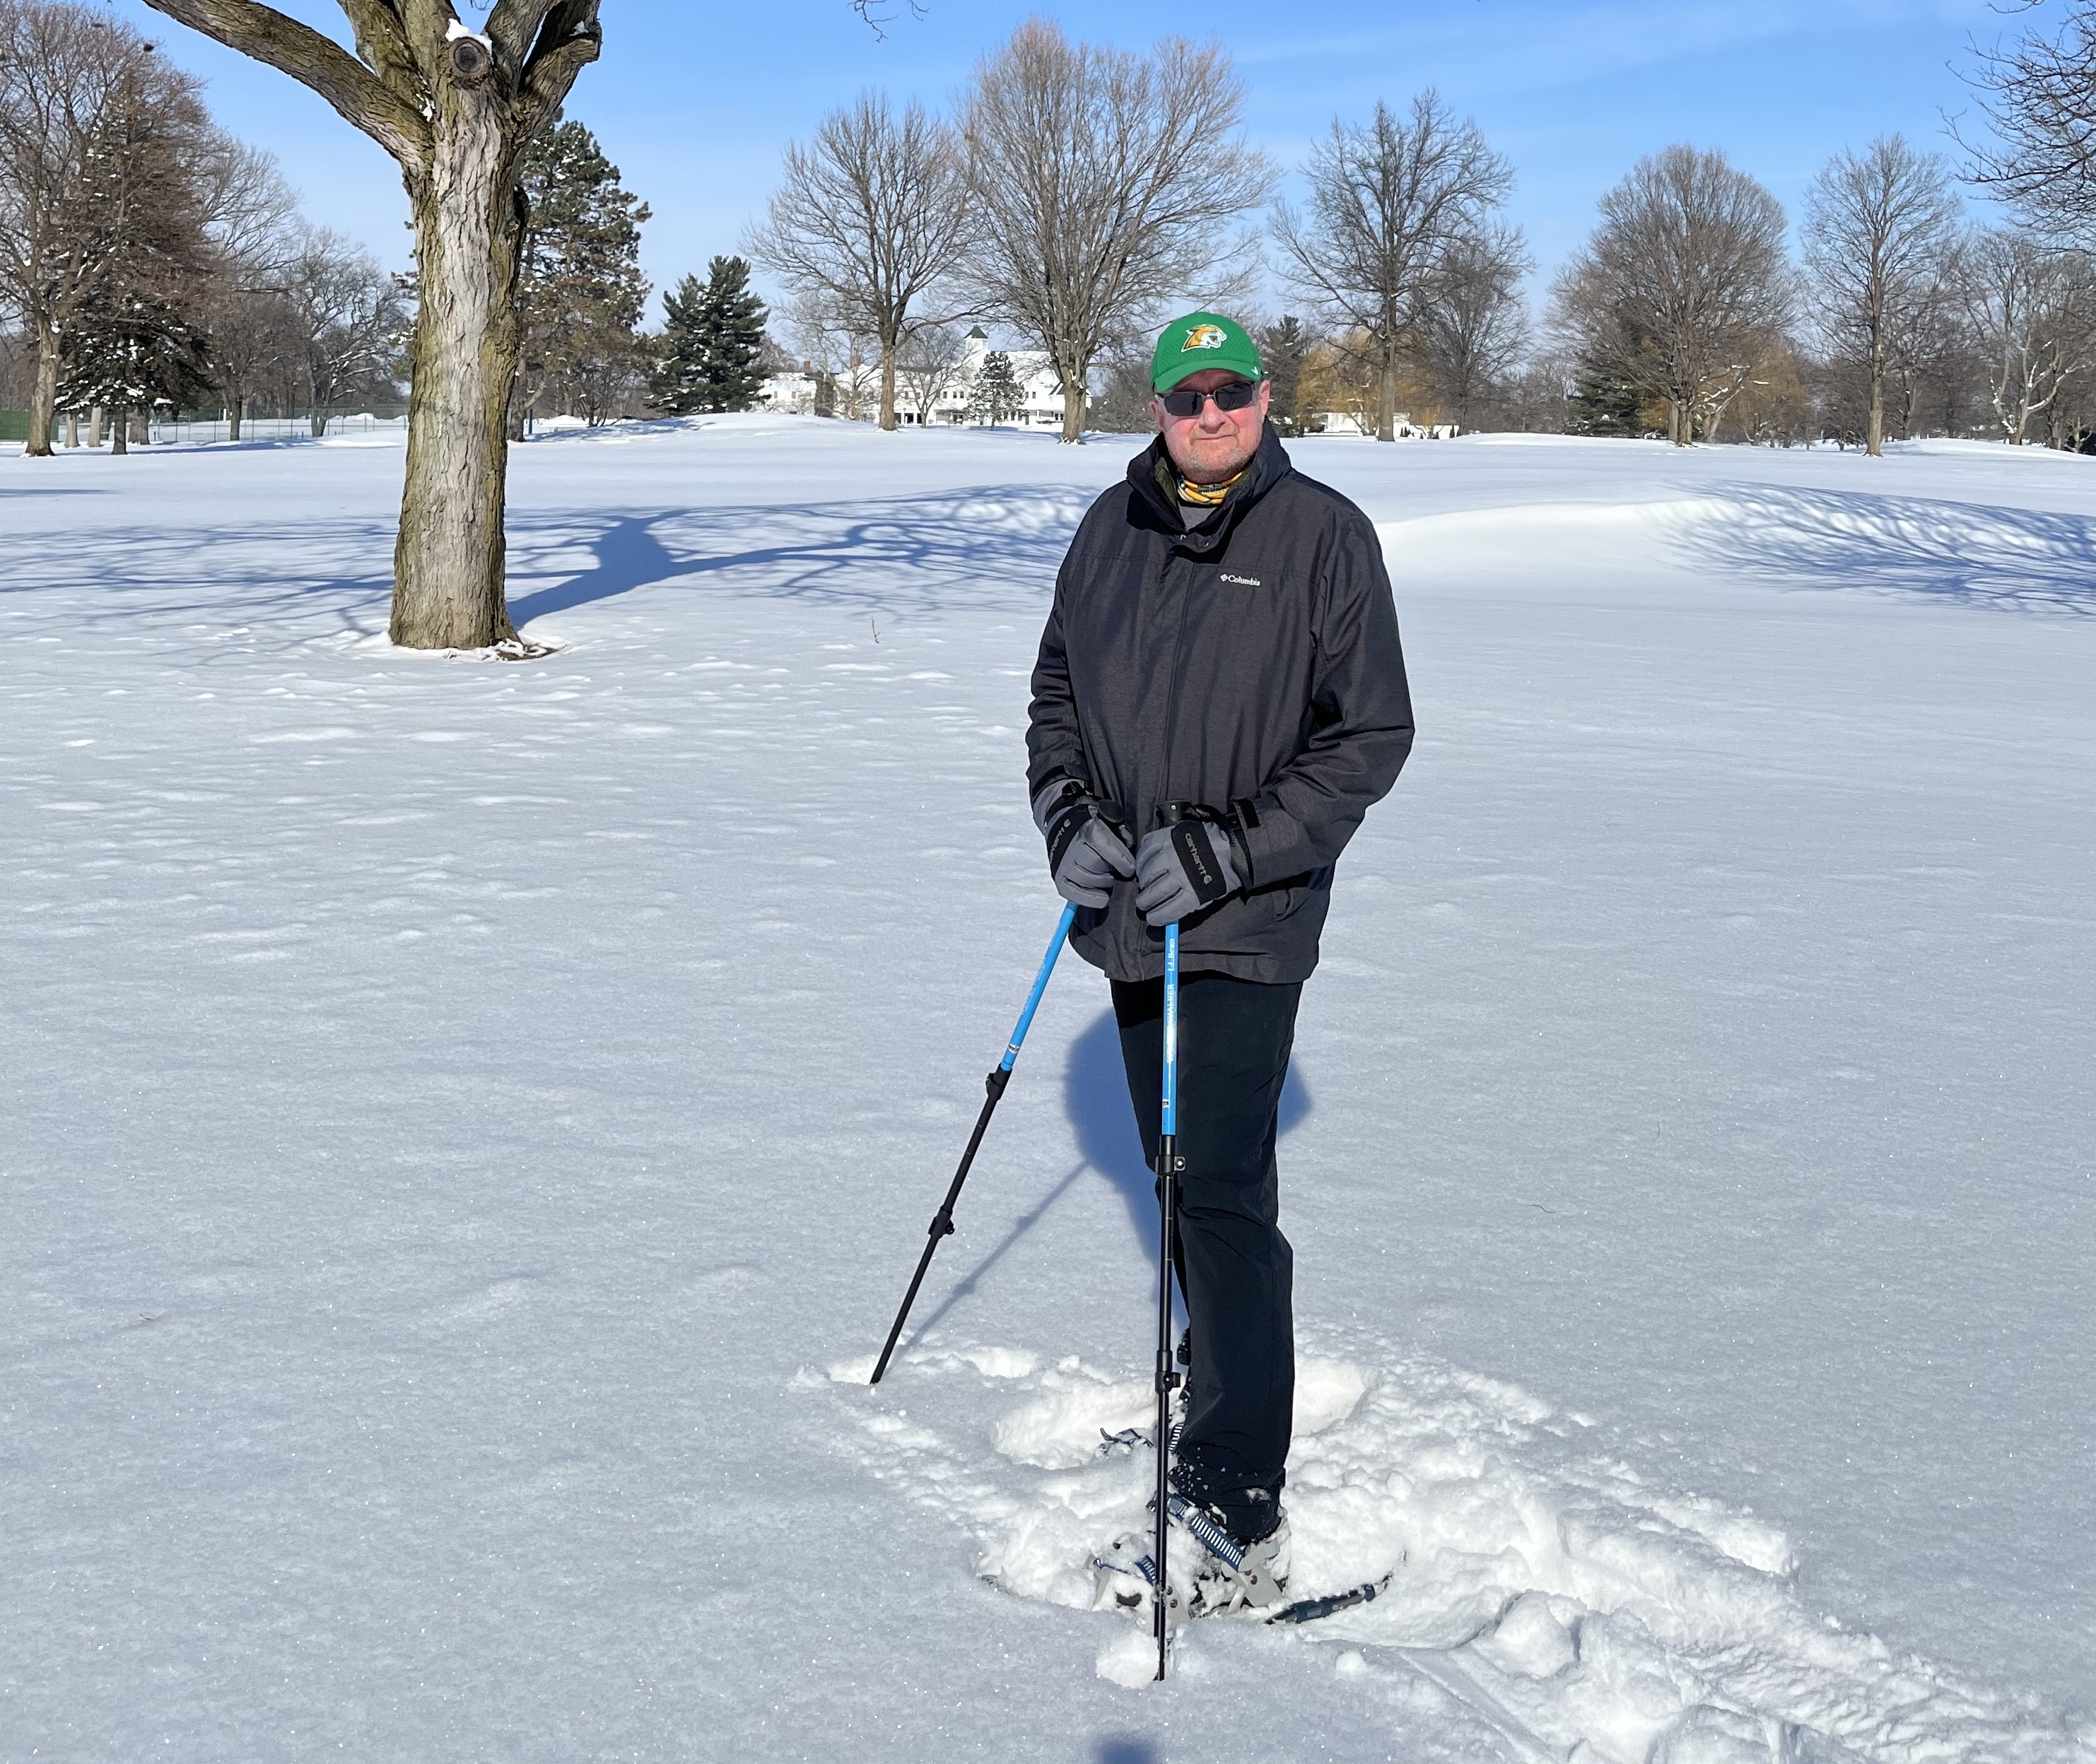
[[456, 107], [448, 564], [1073, 406], [44, 397], [1386, 399], [119, 430], [233, 413], [887, 387], [1874, 434]]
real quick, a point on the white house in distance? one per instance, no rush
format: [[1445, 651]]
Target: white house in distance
[[793, 393], [1040, 391], [1364, 424]]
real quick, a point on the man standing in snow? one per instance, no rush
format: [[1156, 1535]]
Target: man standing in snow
[[1222, 636]]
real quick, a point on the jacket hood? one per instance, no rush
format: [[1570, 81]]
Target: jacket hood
[[1268, 466]]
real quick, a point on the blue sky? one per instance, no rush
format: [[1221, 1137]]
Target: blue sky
[[695, 100]]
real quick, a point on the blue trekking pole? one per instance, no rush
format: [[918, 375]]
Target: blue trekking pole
[[1168, 1186], [1169, 1164], [943, 1221]]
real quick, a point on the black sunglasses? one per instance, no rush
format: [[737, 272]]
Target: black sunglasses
[[1231, 395]]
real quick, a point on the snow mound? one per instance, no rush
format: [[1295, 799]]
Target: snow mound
[[1536, 1578], [1951, 445]]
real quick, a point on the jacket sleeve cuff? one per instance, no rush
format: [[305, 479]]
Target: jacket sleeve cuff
[[1274, 846]]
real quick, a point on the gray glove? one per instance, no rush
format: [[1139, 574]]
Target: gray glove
[[1087, 853], [1192, 863]]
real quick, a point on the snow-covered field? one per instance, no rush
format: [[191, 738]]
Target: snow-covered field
[[464, 1127]]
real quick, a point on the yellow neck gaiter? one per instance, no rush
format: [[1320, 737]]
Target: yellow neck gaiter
[[1208, 496]]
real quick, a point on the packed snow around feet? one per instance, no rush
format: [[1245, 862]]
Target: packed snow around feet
[[468, 1123], [1526, 1575]]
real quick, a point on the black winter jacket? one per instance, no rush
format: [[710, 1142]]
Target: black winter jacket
[[1252, 665]]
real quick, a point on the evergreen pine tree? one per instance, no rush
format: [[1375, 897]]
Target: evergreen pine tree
[[580, 293], [133, 350], [678, 384], [1602, 405], [1283, 349], [713, 350], [138, 340], [996, 397]]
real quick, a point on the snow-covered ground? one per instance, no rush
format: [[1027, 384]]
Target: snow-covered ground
[[464, 1127]]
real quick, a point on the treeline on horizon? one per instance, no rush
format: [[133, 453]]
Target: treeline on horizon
[[148, 261]]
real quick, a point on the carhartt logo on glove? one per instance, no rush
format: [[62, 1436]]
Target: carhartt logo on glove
[[1185, 865], [1192, 839]]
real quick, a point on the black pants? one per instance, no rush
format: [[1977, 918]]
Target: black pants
[[1235, 1269]]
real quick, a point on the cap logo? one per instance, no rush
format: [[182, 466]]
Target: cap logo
[[1204, 337]]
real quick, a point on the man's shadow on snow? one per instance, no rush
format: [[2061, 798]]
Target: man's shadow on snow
[[1096, 1100], [1127, 1751], [627, 554]]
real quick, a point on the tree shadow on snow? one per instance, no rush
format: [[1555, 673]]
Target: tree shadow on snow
[[281, 585], [995, 547], [1096, 1101], [1127, 1751], [1969, 554]]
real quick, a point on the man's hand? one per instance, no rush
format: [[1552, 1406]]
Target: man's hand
[[1087, 853], [1188, 865]]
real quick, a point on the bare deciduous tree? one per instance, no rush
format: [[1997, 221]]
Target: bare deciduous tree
[[2034, 310], [846, 359], [251, 218], [345, 315], [1103, 184], [869, 217], [1684, 288], [2041, 101], [1880, 227], [455, 108], [928, 365], [250, 213], [1473, 326], [254, 342], [1389, 202]]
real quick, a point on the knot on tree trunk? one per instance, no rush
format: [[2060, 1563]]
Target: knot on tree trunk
[[471, 60]]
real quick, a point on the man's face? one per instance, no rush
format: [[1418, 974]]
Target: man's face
[[1216, 444]]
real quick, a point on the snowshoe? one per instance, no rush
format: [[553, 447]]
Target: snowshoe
[[1212, 1572]]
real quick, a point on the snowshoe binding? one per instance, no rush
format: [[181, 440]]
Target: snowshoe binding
[[1211, 1572]]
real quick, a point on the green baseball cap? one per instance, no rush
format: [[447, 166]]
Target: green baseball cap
[[1202, 340]]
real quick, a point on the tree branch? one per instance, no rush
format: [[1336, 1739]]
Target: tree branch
[[569, 39], [314, 60], [514, 26], [381, 44]]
